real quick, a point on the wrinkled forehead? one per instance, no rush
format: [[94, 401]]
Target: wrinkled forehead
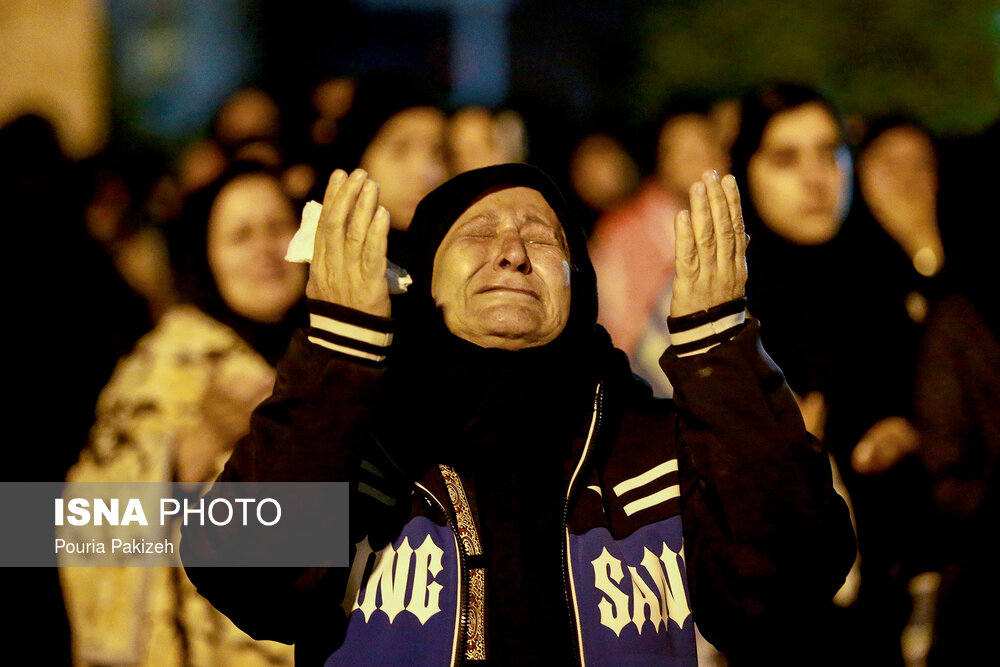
[[515, 209], [473, 192], [517, 204]]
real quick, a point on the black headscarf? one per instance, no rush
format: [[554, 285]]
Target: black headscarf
[[187, 239], [468, 394]]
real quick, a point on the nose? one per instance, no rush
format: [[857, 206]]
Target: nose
[[268, 245], [429, 168], [512, 254], [816, 174]]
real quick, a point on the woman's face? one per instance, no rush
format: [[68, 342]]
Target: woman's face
[[899, 181], [800, 177], [501, 274], [406, 159], [249, 228]]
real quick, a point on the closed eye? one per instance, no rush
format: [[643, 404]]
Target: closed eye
[[538, 233]]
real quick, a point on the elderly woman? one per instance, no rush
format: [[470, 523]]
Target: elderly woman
[[517, 496]]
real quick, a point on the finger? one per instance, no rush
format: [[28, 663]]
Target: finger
[[377, 241], [701, 224], [361, 215], [685, 249], [333, 186], [721, 223], [732, 191], [862, 455], [344, 202], [336, 180], [323, 230]]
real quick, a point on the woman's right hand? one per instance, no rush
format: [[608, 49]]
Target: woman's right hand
[[237, 386], [884, 445], [349, 256]]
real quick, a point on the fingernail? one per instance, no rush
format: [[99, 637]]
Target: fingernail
[[715, 176], [368, 187]]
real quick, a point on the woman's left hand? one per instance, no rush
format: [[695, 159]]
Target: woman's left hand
[[711, 266]]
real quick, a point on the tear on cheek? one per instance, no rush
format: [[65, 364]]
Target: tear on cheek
[[565, 265]]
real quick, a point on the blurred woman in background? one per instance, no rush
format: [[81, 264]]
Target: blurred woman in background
[[176, 406], [845, 345], [394, 130], [898, 178]]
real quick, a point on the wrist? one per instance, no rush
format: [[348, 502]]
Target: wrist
[[699, 332], [349, 331]]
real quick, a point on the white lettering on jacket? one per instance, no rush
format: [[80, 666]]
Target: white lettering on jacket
[[388, 587], [664, 601]]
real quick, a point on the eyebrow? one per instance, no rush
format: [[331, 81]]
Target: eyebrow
[[534, 216], [486, 216]]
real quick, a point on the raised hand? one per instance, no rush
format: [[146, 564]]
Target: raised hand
[[710, 267], [884, 445], [348, 265], [238, 383]]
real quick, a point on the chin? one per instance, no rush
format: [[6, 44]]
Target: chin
[[504, 334], [819, 238], [512, 321], [268, 310], [815, 232]]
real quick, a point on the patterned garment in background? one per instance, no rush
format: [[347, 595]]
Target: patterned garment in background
[[145, 615]]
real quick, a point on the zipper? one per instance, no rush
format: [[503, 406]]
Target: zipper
[[434, 503], [432, 500], [595, 425]]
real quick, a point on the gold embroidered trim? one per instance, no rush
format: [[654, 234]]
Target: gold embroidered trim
[[466, 526], [475, 625]]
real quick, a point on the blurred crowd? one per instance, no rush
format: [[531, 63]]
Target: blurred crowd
[[158, 303]]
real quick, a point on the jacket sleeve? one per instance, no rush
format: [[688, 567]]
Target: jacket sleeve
[[314, 428], [767, 539]]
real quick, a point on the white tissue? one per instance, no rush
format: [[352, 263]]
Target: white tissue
[[300, 249]]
